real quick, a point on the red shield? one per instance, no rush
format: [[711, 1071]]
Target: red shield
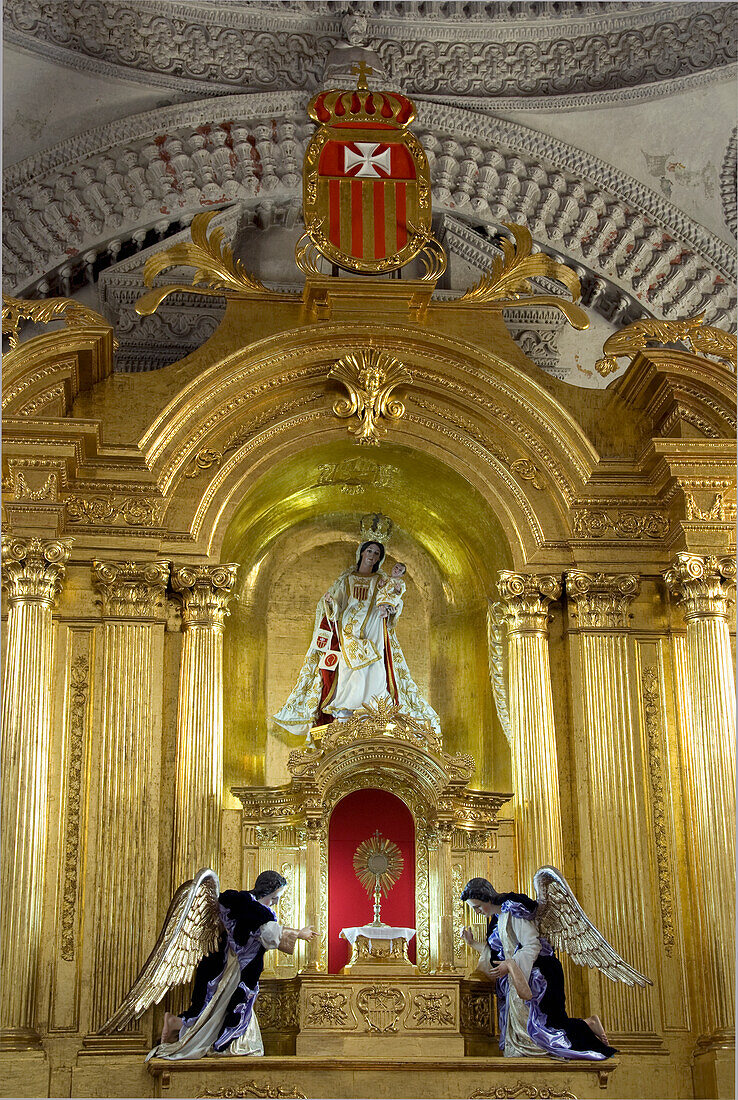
[[366, 182]]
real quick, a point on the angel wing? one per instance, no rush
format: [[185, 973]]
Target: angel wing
[[191, 929], [562, 919]]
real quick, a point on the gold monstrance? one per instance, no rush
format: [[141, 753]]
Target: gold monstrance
[[378, 864]]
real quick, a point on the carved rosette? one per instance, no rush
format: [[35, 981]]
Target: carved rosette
[[704, 587], [131, 590], [33, 569], [205, 592], [602, 599], [526, 598]]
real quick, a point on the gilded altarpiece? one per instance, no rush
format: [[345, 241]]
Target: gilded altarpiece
[[598, 528]]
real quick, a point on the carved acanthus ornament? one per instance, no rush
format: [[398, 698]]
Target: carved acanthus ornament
[[370, 376], [42, 312], [704, 587], [496, 652], [602, 599], [131, 590], [33, 569], [205, 592], [698, 338], [508, 283], [526, 598], [216, 270]]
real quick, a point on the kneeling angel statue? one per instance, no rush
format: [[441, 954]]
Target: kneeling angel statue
[[518, 955], [221, 938]]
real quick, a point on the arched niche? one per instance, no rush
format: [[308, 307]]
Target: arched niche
[[296, 529], [354, 819]]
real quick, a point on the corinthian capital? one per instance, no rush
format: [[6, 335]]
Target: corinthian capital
[[205, 591], [33, 569], [525, 599], [131, 589], [702, 585], [602, 599]]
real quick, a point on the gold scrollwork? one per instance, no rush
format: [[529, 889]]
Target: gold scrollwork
[[698, 338], [369, 376], [381, 1007], [508, 280], [134, 511], [524, 1091], [43, 311], [253, 1090]]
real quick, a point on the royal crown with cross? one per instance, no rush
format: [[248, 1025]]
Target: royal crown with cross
[[366, 182]]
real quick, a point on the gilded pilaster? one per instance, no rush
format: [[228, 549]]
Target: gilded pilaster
[[316, 869], [703, 588], [445, 881], [205, 592], [614, 769], [537, 804], [132, 596], [33, 570]]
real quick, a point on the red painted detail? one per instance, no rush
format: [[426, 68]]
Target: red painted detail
[[334, 228], [401, 216], [357, 232], [355, 818], [378, 198], [163, 209], [71, 251]]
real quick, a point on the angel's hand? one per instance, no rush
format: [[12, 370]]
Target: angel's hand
[[499, 970], [467, 936], [307, 933]]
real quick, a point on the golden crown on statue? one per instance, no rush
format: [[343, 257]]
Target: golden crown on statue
[[376, 527]]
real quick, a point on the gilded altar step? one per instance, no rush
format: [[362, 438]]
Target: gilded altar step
[[372, 1078]]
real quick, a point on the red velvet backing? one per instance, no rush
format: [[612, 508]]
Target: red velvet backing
[[356, 818]]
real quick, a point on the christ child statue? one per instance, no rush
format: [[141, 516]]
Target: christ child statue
[[390, 590]]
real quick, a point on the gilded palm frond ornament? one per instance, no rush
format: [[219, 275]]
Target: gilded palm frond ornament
[[691, 332], [43, 311], [508, 282], [369, 376], [212, 258], [378, 864]]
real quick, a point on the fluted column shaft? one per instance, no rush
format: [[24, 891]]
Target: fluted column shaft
[[32, 574], [617, 814], [703, 587], [535, 775], [205, 592], [132, 601], [316, 889]]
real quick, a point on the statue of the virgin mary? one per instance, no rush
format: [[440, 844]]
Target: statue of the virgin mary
[[354, 656]]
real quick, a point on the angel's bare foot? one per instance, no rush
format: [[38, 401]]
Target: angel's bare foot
[[595, 1024], [172, 1024]]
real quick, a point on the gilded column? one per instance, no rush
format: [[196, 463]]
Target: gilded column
[[535, 773], [703, 587], [618, 820], [32, 574], [205, 592], [129, 742]]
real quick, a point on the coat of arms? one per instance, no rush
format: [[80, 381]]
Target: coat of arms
[[366, 182]]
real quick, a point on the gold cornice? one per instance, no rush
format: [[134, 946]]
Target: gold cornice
[[55, 366]]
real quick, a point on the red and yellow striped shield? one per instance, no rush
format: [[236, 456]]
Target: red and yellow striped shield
[[366, 181]]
